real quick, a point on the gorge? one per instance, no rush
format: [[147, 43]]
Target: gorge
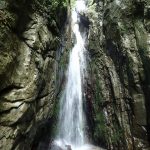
[[104, 97]]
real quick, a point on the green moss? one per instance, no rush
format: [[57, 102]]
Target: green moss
[[117, 136], [100, 128]]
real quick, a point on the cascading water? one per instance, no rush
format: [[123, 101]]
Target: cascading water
[[71, 116]]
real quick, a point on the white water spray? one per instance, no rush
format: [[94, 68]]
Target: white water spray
[[71, 117]]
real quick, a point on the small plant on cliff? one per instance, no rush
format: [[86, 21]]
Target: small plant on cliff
[[54, 4], [50, 7]]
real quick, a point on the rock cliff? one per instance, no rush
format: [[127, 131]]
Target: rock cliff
[[119, 82], [29, 38]]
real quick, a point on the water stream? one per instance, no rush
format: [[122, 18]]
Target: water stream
[[71, 116], [71, 127]]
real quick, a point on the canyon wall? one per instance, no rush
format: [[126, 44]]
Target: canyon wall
[[29, 38], [118, 89]]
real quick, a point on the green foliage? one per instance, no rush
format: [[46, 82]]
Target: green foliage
[[49, 7], [54, 4]]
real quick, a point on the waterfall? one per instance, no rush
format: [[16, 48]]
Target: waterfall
[[71, 117]]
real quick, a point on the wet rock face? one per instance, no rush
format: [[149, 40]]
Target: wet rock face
[[27, 65], [119, 81]]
